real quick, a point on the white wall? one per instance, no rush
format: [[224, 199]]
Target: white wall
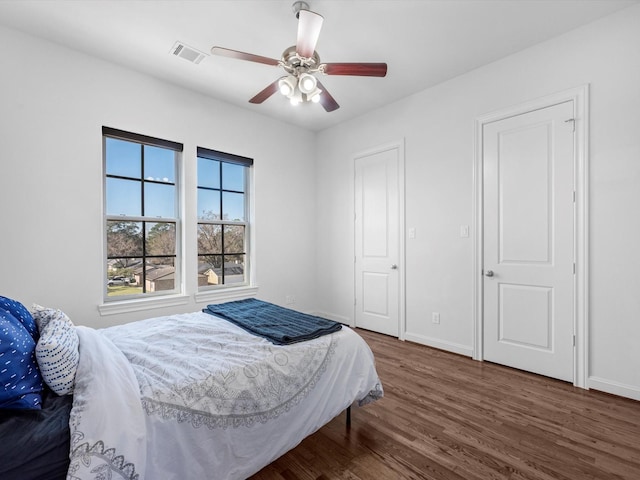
[[53, 103], [437, 126]]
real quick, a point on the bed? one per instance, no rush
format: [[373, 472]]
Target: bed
[[190, 396]]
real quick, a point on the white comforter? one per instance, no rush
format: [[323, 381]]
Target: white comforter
[[195, 397]]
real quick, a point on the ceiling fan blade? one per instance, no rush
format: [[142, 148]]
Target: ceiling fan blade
[[326, 100], [227, 52], [266, 93], [309, 25], [359, 69]]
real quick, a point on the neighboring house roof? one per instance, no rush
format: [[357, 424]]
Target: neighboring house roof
[[155, 272], [203, 268], [163, 271], [233, 268], [230, 268]]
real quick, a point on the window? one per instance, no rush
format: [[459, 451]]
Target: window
[[141, 214], [223, 219]]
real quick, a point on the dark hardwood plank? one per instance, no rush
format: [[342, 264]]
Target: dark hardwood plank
[[447, 417]]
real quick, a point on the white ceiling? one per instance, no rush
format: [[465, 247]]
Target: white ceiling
[[424, 42]]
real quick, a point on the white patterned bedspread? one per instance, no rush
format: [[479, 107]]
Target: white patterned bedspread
[[194, 397]]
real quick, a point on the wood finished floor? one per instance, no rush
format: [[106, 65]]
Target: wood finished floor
[[445, 416]]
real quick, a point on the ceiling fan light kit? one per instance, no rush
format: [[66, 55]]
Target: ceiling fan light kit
[[307, 83], [301, 62], [288, 85]]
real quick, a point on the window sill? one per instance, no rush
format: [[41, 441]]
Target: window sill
[[126, 306], [207, 296], [226, 294]]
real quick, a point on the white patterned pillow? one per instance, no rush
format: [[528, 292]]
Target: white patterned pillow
[[43, 315], [57, 349]]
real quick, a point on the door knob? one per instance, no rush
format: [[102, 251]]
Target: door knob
[[489, 273], [394, 267]]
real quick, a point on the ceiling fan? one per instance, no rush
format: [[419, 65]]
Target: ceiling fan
[[301, 62]]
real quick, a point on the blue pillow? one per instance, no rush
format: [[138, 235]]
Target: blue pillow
[[20, 379], [19, 311]]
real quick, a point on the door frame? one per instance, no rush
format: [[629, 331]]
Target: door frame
[[394, 145], [580, 98]]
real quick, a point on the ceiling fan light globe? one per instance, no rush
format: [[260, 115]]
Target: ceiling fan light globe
[[287, 85], [285, 89], [307, 83], [314, 96]]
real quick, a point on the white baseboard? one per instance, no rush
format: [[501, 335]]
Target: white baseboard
[[440, 344], [616, 388]]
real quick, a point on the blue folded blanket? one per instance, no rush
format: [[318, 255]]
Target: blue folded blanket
[[281, 326]]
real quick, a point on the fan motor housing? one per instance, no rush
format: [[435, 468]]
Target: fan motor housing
[[292, 62]]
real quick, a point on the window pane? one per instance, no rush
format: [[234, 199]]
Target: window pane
[[209, 239], [233, 206], [124, 239], [121, 276], [234, 239], [123, 158], [160, 274], [123, 197], [161, 238], [209, 270], [234, 269], [208, 173], [159, 200], [208, 204], [233, 177], [159, 164], [123, 267]]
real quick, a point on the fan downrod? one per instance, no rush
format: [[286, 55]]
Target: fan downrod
[[299, 5]]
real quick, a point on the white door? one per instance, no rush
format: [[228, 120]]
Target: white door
[[528, 262], [377, 242]]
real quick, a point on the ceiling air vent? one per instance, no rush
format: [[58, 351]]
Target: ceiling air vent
[[188, 53]]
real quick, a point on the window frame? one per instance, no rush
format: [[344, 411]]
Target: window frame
[[247, 163], [178, 255]]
